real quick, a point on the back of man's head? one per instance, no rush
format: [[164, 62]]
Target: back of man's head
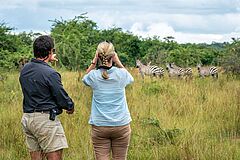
[[42, 46]]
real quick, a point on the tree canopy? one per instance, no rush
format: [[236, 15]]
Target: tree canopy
[[76, 41]]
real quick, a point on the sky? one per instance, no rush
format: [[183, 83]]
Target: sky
[[189, 21]]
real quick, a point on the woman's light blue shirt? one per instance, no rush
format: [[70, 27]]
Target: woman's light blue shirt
[[109, 105]]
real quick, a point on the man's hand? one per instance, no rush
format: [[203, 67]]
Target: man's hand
[[70, 111], [53, 58]]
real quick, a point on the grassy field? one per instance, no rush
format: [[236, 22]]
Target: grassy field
[[172, 119]]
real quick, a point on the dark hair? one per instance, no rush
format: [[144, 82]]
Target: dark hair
[[42, 46]]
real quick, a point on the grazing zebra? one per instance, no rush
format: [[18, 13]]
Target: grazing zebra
[[187, 72], [151, 70], [207, 71], [174, 72]]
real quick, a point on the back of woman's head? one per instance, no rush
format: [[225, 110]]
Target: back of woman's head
[[105, 52]]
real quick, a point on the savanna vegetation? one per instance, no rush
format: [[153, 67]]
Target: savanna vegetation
[[173, 119]]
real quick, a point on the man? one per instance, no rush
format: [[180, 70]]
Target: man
[[43, 98]]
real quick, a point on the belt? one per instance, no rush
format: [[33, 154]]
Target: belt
[[37, 110]]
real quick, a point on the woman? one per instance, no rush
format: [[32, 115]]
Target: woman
[[110, 117]]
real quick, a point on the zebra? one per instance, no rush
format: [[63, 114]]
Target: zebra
[[174, 72], [207, 71], [148, 69], [185, 72]]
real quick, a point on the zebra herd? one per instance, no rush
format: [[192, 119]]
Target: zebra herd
[[150, 70], [175, 71]]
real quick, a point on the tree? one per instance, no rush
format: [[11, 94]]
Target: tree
[[75, 41], [13, 47], [231, 60]]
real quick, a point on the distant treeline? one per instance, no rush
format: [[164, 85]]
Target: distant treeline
[[76, 41]]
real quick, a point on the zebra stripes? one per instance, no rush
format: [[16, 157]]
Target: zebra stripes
[[207, 71], [174, 71], [151, 70], [184, 71]]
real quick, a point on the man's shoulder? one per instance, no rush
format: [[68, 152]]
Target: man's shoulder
[[46, 70]]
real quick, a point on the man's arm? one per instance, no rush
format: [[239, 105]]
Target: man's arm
[[60, 95]]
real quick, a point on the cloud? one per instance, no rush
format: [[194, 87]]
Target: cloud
[[160, 6], [155, 29], [13, 4], [206, 24], [163, 30], [202, 19]]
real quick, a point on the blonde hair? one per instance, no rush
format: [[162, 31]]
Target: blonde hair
[[105, 52]]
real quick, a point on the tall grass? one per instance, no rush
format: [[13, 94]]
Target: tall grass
[[172, 119]]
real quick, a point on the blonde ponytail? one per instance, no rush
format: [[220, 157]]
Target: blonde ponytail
[[105, 75], [105, 52]]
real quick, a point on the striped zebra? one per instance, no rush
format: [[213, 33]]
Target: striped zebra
[[185, 72], [207, 71], [150, 70], [174, 72]]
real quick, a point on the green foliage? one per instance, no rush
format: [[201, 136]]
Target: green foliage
[[231, 61], [159, 135], [151, 121], [76, 41], [126, 44], [13, 47], [155, 88], [151, 88]]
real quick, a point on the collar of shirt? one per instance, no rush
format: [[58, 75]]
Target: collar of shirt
[[34, 60], [112, 69]]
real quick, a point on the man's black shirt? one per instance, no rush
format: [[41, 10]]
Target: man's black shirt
[[42, 88]]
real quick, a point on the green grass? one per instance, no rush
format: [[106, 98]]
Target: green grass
[[172, 119]]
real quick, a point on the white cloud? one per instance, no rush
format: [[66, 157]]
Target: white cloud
[[159, 29], [163, 30], [186, 20], [198, 38], [29, 4]]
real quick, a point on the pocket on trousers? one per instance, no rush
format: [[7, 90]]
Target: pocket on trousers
[[24, 122]]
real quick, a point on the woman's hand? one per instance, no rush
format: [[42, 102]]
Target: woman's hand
[[117, 61]]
